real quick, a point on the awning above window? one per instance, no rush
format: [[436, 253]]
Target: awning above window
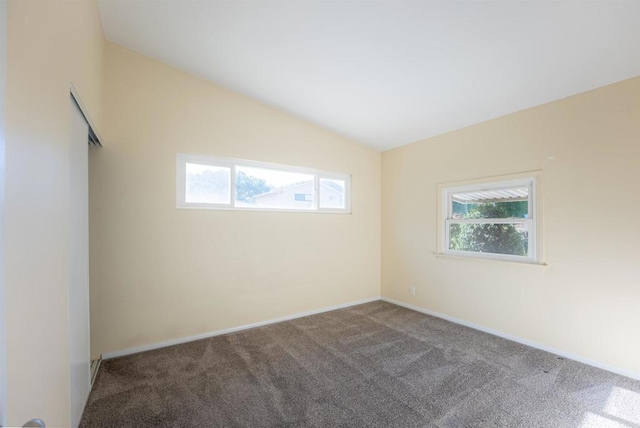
[[493, 195]]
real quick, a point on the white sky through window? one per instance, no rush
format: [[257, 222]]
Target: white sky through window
[[275, 178]]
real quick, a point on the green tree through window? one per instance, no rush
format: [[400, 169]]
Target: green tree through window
[[247, 187], [499, 238]]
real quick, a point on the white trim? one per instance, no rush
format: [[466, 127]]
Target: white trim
[[565, 354], [509, 220], [85, 113], [491, 256], [484, 259], [158, 345], [533, 220], [316, 192], [593, 363]]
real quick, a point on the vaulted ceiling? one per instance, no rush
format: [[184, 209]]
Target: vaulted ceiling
[[388, 73]]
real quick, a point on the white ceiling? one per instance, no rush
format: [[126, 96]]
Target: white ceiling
[[388, 73]]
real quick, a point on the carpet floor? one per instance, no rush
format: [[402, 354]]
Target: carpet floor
[[372, 365]]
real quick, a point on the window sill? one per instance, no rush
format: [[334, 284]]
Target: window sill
[[482, 259], [272, 210]]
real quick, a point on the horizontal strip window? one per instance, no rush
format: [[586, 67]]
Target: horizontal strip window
[[224, 183]]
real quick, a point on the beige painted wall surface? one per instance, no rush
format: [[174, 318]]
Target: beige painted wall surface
[[586, 301], [50, 44], [161, 273]]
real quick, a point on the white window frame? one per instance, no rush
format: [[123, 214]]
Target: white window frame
[[530, 180], [232, 164]]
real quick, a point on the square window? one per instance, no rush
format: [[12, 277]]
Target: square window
[[492, 219], [332, 193], [207, 184], [273, 188]]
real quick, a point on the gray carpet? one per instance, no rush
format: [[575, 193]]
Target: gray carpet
[[373, 365]]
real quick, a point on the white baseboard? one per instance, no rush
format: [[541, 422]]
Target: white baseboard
[[598, 364], [149, 347]]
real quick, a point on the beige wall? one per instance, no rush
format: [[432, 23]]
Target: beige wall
[[586, 301], [51, 45], [160, 273]]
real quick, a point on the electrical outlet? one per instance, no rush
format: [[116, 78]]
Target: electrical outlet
[[412, 291]]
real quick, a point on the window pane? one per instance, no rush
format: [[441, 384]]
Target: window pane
[[509, 238], [207, 184], [498, 203], [270, 188], [332, 193]]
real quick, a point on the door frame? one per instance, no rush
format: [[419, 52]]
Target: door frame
[[76, 106], [94, 135]]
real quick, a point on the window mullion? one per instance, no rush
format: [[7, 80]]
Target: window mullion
[[232, 186], [316, 191], [489, 220]]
